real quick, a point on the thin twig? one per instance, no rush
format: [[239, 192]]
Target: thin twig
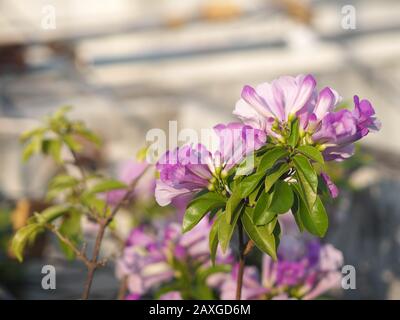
[[239, 282], [123, 288], [80, 254], [249, 247], [104, 222]]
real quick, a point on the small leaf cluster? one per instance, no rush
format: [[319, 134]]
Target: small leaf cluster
[[79, 195]]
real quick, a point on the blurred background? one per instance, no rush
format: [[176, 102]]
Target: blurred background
[[128, 66]]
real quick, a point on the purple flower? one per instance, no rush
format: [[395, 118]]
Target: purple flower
[[332, 188], [148, 257], [282, 99], [182, 171], [272, 107], [189, 169], [304, 273]]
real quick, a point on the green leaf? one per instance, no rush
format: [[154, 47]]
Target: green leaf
[[315, 221], [249, 183], [72, 144], [282, 199], [253, 197], [63, 181], [213, 238], [99, 206], [312, 153], [107, 185], [246, 166], [275, 175], [296, 213], [55, 150], [294, 133], [232, 204], [82, 131], [50, 214], [261, 214], [22, 237], [225, 229], [34, 146], [71, 228], [270, 157], [307, 178], [265, 241], [26, 135], [61, 112], [199, 207]]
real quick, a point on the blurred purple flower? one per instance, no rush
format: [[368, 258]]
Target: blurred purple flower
[[128, 173], [304, 273], [172, 295], [147, 259]]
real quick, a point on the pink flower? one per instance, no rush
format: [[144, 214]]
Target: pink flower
[[272, 108]]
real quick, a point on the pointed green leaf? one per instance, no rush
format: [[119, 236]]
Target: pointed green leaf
[[232, 204], [261, 214], [213, 238], [225, 229], [260, 235], [246, 166], [270, 157], [34, 146], [22, 237], [249, 183], [199, 207], [282, 199], [272, 177], [294, 133], [312, 153], [50, 214], [296, 213], [107, 185], [71, 142], [307, 178], [71, 228], [316, 220]]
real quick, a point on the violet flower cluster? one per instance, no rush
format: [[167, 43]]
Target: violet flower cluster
[[149, 257], [267, 113], [304, 270], [189, 169]]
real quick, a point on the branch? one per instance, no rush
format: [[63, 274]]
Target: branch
[[80, 254], [104, 222]]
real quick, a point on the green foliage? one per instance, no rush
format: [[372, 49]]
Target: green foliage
[[199, 207], [71, 229], [57, 137], [285, 179], [57, 133], [35, 226], [263, 236], [107, 185]]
